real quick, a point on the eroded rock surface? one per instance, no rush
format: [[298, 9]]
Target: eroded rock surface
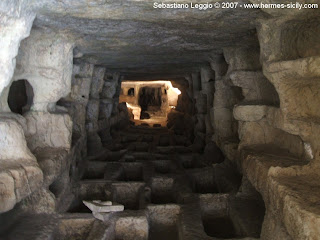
[[236, 154]]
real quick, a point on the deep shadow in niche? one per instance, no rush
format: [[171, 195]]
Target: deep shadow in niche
[[131, 92], [20, 96], [150, 99], [242, 218]]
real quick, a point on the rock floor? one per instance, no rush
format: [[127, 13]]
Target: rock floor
[[166, 190]]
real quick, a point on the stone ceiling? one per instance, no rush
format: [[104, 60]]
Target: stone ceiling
[[134, 38]]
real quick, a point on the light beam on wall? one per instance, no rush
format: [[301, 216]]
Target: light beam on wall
[[176, 90]]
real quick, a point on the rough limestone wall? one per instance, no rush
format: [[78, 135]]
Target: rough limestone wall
[[255, 129], [93, 111], [119, 119], [78, 99], [16, 21], [184, 102], [190, 87], [20, 174], [259, 95], [207, 83], [200, 111], [116, 83], [290, 61], [76, 103], [103, 109], [275, 119], [45, 59], [242, 100], [226, 95], [85, 106], [107, 105], [190, 94], [200, 90], [293, 70]]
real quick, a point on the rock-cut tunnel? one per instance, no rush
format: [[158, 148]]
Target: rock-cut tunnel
[[120, 120]]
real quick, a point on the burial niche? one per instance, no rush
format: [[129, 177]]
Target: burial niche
[[20, 96], [131, 92], [150, 98]]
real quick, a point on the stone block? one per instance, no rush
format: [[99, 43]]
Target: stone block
[[105, 110], [78, 115], [12, 141], [97, 82], [53, 162], [83, 70], [19, 171], [93, 111], [249, 113], [109, 89], [48, 130], [138, 226], [242, 58], [201, 103], [7, 192], [41, 201], [94, 144], [80, 89]]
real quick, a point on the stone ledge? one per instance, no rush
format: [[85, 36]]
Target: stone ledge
[[284, 183], [257, 163], [249, 113], [299, 197], [302, 68]]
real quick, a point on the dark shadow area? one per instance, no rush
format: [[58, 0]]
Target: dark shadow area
[[161, 231], [77, 206], [20, 96], [219, 227], [131, 92], [150, 99]]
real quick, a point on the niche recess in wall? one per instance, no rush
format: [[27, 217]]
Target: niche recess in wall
[[150, 98], [131, 92], [20, 96]]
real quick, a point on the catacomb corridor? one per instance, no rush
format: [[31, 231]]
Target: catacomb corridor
[[126, 120]]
